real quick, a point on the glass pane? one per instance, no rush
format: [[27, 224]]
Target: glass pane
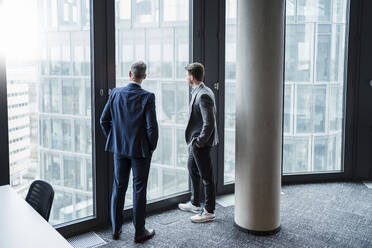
[[298, 53], [314, 82], [296, 150], [157, 32], [314, 10], [230, 81], [49, 101]]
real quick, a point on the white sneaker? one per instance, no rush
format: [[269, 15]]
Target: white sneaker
[[189, 207], [204, 216]]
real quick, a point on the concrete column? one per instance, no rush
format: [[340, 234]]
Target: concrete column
[[259, 107]]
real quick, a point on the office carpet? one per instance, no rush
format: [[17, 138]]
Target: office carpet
[[312, 215]]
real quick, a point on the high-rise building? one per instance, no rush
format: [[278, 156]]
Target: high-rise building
[[65, 144], [314, 86], [22, 162]]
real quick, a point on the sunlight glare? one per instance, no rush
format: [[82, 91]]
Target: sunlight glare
[[19, 29]]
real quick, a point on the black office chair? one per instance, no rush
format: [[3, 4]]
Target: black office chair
[[40, 197]]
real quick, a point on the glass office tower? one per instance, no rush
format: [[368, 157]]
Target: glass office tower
[[314, 86], [65, 144], [49, 103], [22, 162]]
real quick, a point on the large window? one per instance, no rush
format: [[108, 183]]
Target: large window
[[230, 81], [49, 101], [314, 84], [157, 32]]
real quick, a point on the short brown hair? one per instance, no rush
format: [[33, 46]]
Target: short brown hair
[[196, 69]]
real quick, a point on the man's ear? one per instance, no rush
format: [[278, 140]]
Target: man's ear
[[130, 74], [144, 77]]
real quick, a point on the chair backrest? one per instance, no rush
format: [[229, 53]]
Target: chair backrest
[[40, 197]]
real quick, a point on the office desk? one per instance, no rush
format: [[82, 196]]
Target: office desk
[[21, 226]]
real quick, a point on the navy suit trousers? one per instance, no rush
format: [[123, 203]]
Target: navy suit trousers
[[140, 169]]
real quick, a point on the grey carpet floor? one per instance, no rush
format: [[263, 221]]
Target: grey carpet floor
[[312, 215]]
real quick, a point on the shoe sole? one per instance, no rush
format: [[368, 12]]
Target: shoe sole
[[190, 210], [202, 221], [144, 240]]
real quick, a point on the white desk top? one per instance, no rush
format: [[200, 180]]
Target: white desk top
[[21, 226]]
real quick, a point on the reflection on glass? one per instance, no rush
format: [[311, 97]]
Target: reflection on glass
[[298, 52], [296, 154], [314, 78], [287, 108], [145, 11], [182, 149], [49, 101], [314, 83], [314, 10], [157, 32], [229, 168], [230, 80]]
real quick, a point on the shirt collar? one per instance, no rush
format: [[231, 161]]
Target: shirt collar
[[193, 91], [135, 83]]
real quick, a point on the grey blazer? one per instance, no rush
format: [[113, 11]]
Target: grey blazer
[[202, 125]]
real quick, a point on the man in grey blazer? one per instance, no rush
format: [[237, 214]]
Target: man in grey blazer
[[201, 135]]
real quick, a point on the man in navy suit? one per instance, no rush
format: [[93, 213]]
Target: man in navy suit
[[130, 126]]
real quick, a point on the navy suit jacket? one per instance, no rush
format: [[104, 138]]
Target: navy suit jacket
[[129, 122]]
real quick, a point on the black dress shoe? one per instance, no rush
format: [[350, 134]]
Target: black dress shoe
[[116, 235], [146, 236]]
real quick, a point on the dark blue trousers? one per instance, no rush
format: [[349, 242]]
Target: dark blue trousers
[[140, 169]]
